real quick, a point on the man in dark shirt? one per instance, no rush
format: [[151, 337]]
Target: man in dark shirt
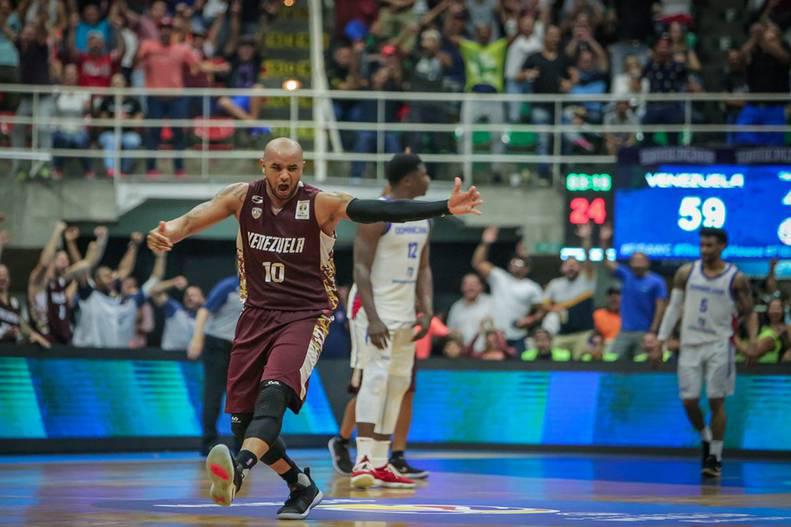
[[767, 58], [386, 78], [548, 72], [665, 75], [34, 69], [633, 24], [129, 137], [428, 74], [734, 80]]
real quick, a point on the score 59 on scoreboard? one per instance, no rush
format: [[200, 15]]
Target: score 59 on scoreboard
[[660, 209]]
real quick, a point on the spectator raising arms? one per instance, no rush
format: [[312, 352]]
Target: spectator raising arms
[[643, 301], [108, 319], [179, 316], [513, 293], [768, 60]]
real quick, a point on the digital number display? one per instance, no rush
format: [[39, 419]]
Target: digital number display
[[582, 182], [584, 210], [659, 209]]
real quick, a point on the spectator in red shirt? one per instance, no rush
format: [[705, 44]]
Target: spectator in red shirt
[[96, 67], [164, 65]]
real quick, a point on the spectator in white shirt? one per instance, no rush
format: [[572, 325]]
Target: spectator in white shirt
[[466, 314], [530, 40], [513, 294], [71, 104], [568, 301], [106, 318]]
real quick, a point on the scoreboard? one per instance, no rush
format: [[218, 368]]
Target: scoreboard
[[664, 196], [588, 200]]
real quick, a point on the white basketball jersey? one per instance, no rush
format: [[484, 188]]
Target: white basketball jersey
[[395, 269], [709, 308]]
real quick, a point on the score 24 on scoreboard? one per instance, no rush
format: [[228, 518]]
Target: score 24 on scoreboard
[[664, 196]]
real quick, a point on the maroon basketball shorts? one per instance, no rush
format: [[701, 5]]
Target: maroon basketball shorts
[[270, 345]]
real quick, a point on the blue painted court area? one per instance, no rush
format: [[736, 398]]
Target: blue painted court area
[[464, 488]]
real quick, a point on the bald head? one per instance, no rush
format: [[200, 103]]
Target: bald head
[[282, 147], [282, 164]]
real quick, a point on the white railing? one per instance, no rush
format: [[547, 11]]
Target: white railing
[[319, 152]]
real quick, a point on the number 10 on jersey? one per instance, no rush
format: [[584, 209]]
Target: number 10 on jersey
[[274, 272]]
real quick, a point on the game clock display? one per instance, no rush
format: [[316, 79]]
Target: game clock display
[[661, 204]]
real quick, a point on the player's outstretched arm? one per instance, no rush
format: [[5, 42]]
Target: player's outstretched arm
[[331, 208], [227, 202]]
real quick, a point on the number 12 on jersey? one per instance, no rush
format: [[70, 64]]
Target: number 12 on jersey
[[274, 272], [412, 250]]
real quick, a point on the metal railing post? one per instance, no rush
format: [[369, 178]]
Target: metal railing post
[[34, 125], [557, 143], [204, 158], [118, 100], [293, 115], [687, 121], [467, 138], [380, 138]]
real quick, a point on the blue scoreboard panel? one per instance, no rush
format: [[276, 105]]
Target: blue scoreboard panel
[[664, 196]]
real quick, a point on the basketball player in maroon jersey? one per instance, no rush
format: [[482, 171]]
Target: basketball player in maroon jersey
[[287, 279]]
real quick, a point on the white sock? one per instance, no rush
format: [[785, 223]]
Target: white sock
[[705, 434], [364, 447], [379, 453], [716, 449]]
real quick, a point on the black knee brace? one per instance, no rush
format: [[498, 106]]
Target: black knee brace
[[239, 424], [277, 451], [270, 406]]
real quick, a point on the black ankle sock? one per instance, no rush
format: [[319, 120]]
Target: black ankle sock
[[246, 459], [343, 440], [397, 454], [290, 476]]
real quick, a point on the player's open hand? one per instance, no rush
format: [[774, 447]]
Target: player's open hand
[[378, 334], [423, 323], [464, 202], [159, 239]]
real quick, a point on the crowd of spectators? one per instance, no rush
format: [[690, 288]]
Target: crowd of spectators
[[103, 43], [560, 322], [586, 47], [73, 300]]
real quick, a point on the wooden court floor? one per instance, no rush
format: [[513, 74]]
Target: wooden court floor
[[465, 488]]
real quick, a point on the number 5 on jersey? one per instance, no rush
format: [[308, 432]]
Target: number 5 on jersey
[[274, 272]]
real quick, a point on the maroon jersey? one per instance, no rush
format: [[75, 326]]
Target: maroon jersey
[[285, 262], [9, 320], [58, 312]]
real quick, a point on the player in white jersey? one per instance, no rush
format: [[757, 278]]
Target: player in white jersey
[[392, 277], [711, 294]]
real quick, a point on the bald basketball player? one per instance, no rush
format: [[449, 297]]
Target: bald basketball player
[[287, 280]]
